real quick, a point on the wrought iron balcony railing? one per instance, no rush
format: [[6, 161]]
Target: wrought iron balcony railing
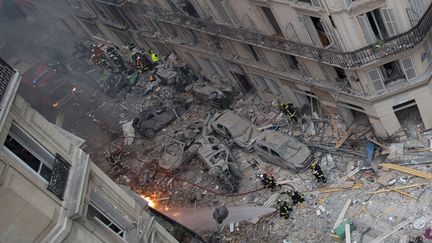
[[6, 73], [140, 13], [59, 177]]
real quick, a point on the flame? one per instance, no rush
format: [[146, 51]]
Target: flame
[[150, 202]]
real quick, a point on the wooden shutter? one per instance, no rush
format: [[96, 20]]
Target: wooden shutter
[[262, 58], [408, 68], [367, 29], [418, 7], [304, 70], [376, 79], [230, 13], [248, 23], [330, 34], [316, 3], [280, 63], [292, 35], [389, 20], [302, 21]]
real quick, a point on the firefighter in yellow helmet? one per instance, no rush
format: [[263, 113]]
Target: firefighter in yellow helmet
[[288, 109], [154, 57]]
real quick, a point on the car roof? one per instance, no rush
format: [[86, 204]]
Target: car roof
[[235, 123], [287, 146]]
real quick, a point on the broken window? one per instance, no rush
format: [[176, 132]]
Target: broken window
[[272, 20], [378, 24], [257, 53], [27, 151], [94, 213], [392, 72]]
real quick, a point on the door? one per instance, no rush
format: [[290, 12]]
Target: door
[[376, 79], [389, 21], [367, 29]]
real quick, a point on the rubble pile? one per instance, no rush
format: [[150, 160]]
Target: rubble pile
[[195, 145]]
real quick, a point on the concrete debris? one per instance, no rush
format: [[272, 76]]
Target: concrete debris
[[128, 133]]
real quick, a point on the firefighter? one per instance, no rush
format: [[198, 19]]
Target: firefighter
[[284, 209], [296, 197], [288, 109], [268, 181], [154, 57], [317, 172], [116, 59]]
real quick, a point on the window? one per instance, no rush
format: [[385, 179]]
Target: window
[[263, 148], [257, 53], [274, 153], [291, 61], [104, 212], [226, 12], [378, 24], [315, 3], [392, 72], [29, 152], [271, 18], [95, 213]]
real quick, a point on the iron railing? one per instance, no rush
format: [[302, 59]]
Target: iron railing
[[59, 177], [6, 73], [141, 13]]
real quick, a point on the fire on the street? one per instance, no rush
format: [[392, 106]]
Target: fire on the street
[[150, 201]]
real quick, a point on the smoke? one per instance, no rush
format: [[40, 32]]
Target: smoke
[[201, 219]]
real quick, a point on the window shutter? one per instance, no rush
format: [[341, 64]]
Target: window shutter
[[248, 23], [230, 13], [292, 35], [348, 4], [418, 7], [367, 29], [303, 24], [220, 8], [408, 68], [330, 34], [326, 73], [389, 20], [376, 79], [316, 3]]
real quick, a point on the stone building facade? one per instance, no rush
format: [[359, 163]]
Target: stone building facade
[[50, 191], [362, 59]]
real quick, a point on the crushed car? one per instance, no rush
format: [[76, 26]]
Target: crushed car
[[283, 150], [234, 127], [209, 96], [148, 122], [220, 163], [182, 148]]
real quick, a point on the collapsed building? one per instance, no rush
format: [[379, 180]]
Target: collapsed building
[[365, 60]]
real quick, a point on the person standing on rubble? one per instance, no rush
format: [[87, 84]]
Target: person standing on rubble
[[317, 172], [284, 209], [268, 181], [296, 196], [288, 110]]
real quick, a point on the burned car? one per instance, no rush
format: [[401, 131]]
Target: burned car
[[209, 96], [233, 126], [147, 123], [219, 161], [283, 150]]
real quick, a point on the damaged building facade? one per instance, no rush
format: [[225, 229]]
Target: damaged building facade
[[362, 59], [50, 191]]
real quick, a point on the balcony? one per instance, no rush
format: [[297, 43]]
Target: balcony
[[404, 41], [59, 177], [6, 73]]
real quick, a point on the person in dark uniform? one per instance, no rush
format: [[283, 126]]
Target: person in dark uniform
[[284, 209], [296, 197], [287, 109], [318, 173], [268, 181]]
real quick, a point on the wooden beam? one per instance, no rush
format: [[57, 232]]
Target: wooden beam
[[407, 170], [392, 231], [397, 188], [342, 214], [342, 139]]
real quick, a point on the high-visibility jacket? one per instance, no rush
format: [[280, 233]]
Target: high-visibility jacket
[[154, 57]]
